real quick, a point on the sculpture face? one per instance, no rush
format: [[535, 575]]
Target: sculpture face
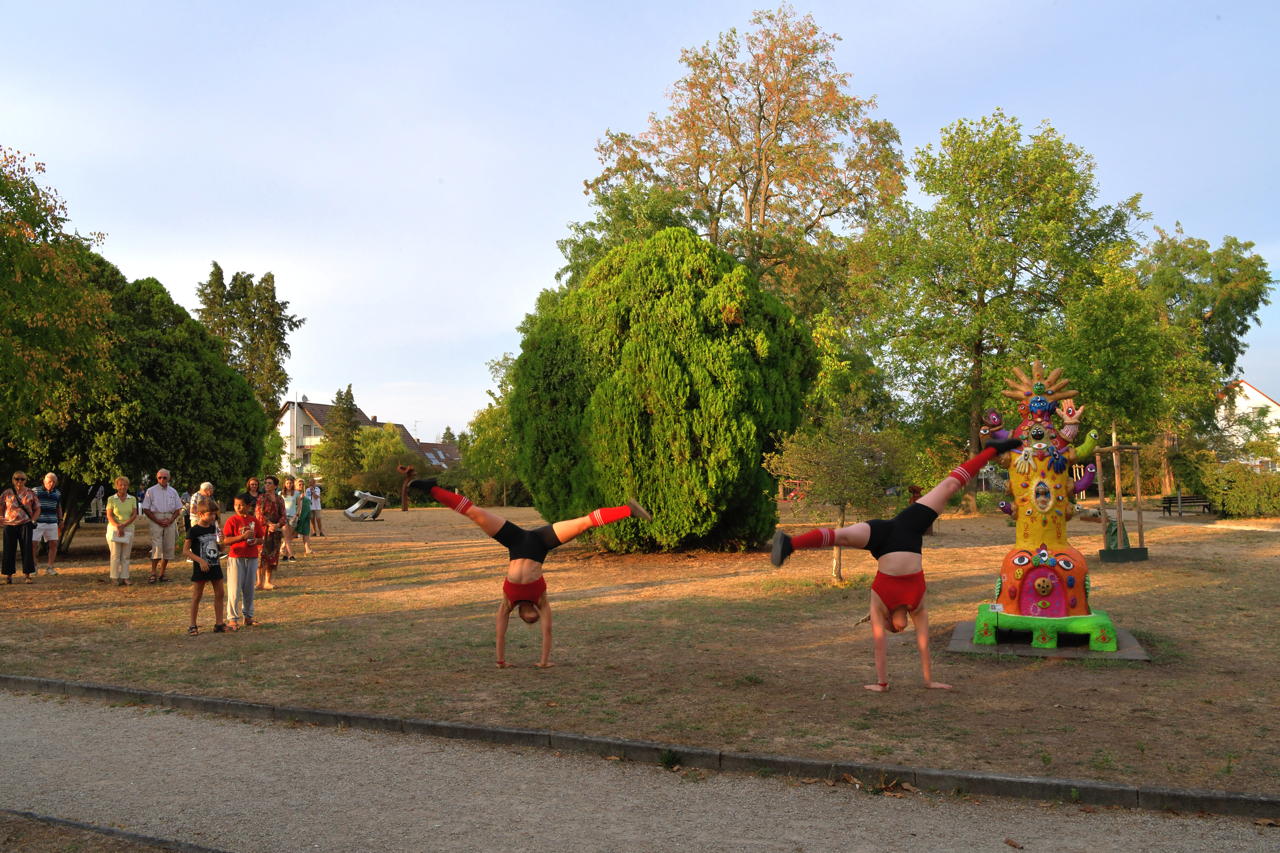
[[1043, 582]]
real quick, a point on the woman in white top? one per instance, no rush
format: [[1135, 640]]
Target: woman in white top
[[122, 512], [290, 496]]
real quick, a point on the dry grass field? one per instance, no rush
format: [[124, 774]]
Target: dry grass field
[[711, 649]]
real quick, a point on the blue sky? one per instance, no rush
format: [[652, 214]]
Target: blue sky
[[405, 169]]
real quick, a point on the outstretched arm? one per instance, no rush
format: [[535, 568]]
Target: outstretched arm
[[920, 618], [504, 612], [544, 610], [877, 636]]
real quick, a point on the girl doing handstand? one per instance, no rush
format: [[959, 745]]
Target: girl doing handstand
[[898, 589], [524, 589]]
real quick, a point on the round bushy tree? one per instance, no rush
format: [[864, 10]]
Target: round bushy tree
[[667, 375]]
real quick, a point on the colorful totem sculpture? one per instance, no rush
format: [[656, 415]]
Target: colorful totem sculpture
[[1043, 585]]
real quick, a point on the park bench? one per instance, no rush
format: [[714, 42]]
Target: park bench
[[1169, 504]]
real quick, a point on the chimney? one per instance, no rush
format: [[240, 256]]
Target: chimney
[[374, 419]]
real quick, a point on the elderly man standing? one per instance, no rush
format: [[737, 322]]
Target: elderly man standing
[[203, 495], [163, 506], [51, 517]]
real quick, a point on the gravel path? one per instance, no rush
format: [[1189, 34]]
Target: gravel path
[[248, 786]]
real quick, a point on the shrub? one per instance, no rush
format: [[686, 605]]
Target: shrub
[[666, 376]]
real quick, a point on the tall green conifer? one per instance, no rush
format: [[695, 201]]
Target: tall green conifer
[[666, 376]]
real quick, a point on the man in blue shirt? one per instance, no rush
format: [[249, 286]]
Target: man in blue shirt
[[50, 522]]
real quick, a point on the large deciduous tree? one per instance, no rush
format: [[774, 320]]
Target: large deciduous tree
[[381, 451], [763, 151], [254, 326], [1135, 371], [167, 399], [981, 277], [666, 376], [1217, 292], [54, 324]]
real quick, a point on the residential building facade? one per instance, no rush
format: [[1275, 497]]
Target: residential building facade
[[301, 425]]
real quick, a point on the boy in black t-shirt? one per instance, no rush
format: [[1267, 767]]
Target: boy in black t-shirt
[[202, 549]]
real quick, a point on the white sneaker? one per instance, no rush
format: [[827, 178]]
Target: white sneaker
[[50, 571]]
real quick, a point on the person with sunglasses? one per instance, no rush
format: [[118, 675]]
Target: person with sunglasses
[[19, 509]]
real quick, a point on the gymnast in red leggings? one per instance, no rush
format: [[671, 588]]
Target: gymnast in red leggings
[[898, 589], [524, 589]]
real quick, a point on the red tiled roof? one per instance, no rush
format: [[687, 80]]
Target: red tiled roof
[[319, 412], [439, 454]]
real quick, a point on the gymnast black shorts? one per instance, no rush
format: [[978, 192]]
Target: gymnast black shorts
[[903, 532], [527, 544]]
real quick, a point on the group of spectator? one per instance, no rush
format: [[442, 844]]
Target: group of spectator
[[31, 515]]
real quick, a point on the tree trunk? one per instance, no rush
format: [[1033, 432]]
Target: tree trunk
[[76, 498], [969, 500], [1168, 444], [836, 552]]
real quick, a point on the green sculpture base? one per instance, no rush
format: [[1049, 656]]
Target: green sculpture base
[[1045, 630]]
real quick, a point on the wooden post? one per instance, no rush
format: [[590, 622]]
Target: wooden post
[[1102, 495], [1115, 462], [1137, 490]]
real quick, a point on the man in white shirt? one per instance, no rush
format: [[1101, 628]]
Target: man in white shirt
[[163, 506], [313, 492]]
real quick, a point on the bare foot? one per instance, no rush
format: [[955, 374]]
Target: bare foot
[[544, 665], [937, 685], [877, 688], [267, 586], [504, 665]]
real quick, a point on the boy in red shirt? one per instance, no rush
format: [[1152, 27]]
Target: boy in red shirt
[[243, 534]]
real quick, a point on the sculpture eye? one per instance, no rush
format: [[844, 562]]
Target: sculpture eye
[[1022, 560], [1066, 563]]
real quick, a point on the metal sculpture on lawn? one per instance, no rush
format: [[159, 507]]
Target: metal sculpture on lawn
[[1043, 586], [366, 508]]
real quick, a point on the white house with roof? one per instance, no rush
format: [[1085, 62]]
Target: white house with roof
[[1247, 399], [301, 424]]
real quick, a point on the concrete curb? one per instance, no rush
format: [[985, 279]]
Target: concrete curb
[[162, 843], [869, 775]]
